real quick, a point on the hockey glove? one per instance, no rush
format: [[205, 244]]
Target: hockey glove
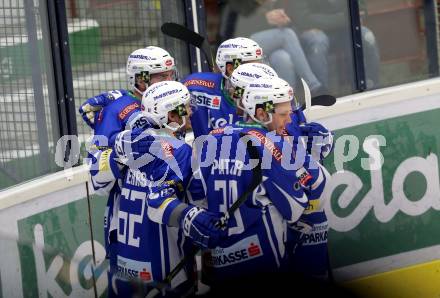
[[133, 147], [94, 104], [200, 225], [293, 128], [323, 139], [301, 226]]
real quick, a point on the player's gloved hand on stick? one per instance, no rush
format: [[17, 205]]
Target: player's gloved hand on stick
[[201, 226]]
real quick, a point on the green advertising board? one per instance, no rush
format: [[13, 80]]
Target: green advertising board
[[54, 253], [379, 213], [65, 263]]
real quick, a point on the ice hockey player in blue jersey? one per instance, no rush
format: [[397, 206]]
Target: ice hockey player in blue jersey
[[111, 112], [317, 141], [211, 104], [144, 67], [153, 218], [257, 230], [309, 236]]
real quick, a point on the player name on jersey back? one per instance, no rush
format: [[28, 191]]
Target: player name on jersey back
[[226, 166], [136, 178]]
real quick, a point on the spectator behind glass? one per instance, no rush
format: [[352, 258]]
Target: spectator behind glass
[[266, 22], [325, 29]]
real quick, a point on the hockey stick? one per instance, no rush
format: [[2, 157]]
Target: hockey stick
[[323, 100], [256, 180], [181, 32], [92, 240], [307, 98], [320, 100]]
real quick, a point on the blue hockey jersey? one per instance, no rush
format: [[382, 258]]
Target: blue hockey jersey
[[149, 243], [257, 230], [211, 105], [122, 110], [118, 115]]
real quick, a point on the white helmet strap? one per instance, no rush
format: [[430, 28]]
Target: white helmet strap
[[174, 126], [262, 122], [180, 110]]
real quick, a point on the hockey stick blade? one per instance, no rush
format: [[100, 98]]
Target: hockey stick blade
[[181, 32], [323, 100]]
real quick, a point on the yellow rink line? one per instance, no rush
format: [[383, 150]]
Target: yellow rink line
[[418, 281]]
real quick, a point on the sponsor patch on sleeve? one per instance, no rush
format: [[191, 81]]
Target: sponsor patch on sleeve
[[128, 109], [267, 143], [198, 82], [303, 177]]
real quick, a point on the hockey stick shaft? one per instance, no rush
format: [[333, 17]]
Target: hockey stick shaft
[[89, 209], [181, 32], [256, 176]]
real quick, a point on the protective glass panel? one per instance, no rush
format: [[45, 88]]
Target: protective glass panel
[[28, 122], [405, 34], [313, 39], [103, 33], [301, 38]]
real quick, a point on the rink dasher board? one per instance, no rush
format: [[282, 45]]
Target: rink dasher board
[[46, 243]]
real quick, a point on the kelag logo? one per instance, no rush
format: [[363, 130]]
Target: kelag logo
[[392, 209], [60, 263]]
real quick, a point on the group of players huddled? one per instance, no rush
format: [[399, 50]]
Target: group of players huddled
[[168, 200]]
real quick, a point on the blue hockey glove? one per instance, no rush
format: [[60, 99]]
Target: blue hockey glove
[[95, 104], [294, 127], [324, 144], [201, 226], [131, 145]]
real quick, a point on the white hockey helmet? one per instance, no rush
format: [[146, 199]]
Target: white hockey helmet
[[236, 51], [265, 93], [146, 61], [245, 74], [163, 97]]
